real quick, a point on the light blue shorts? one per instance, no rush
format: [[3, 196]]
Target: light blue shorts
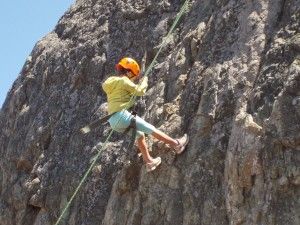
[[121, 120]]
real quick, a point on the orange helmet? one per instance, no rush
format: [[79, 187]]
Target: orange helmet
[[129, 64]]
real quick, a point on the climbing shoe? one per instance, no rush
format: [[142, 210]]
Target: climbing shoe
[[182, 142], [152, 166]]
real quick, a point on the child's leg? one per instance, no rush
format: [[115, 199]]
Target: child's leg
[[164, 138], [151, 163], [145, 127], [178, 144], [141, 143], [148, 128]]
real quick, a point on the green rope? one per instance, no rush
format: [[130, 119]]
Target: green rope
[[183, 9]]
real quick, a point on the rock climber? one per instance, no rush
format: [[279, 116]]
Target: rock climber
[[119, 89]]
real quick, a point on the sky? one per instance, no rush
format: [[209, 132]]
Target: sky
[[23, 23]]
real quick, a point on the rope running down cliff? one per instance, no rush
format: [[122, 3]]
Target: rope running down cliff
[[183, 10]]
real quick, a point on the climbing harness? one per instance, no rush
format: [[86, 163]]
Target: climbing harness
[[183, 9], [100, 121], [95, 123], [133, 129]]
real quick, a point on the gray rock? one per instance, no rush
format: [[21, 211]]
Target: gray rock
[[229, 76]]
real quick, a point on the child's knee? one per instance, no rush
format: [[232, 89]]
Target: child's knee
[[140, 137]]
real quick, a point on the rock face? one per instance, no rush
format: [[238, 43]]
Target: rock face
[[229, 76]]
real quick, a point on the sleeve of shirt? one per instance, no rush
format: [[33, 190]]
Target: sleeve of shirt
[[138, 90]]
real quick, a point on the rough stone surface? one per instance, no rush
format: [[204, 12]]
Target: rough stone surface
[[229, 76]]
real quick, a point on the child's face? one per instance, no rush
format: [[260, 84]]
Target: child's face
[[132, 77]]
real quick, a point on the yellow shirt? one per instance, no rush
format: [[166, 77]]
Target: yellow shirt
[[119, 90]]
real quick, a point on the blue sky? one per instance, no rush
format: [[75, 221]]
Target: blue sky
[[23, 23]]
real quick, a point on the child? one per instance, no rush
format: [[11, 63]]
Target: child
[[119, 90]]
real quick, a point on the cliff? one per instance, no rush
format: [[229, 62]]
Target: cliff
[[229, 77]]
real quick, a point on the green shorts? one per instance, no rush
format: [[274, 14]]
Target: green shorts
[[121, 120]]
